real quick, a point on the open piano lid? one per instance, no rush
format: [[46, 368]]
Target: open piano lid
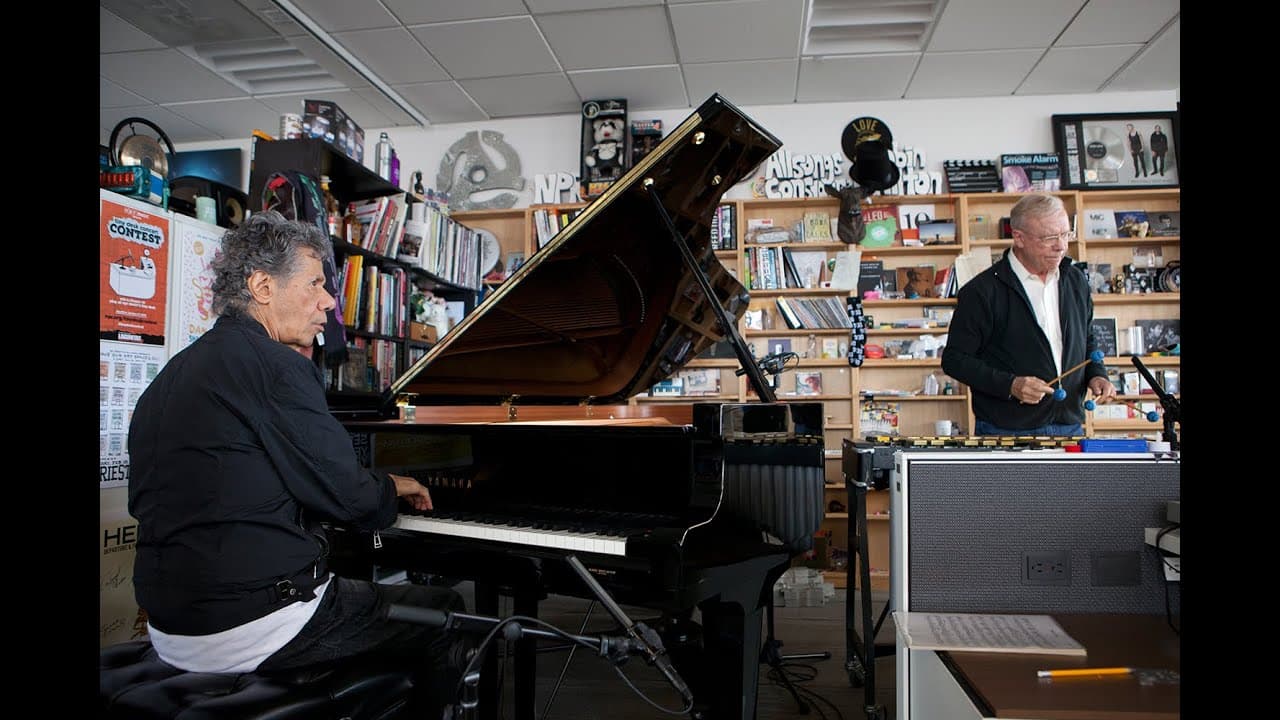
[[608, 308]]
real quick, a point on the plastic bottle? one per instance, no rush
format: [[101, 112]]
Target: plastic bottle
[[382, 157], [332, 211], [931, 384]]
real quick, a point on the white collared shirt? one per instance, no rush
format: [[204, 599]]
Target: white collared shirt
[[1044, 301]]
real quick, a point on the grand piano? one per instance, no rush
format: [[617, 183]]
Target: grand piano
[[521, 429]]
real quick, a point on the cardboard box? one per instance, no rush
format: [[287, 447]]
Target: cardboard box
[[422, 331], [324, 119], [120, 619]]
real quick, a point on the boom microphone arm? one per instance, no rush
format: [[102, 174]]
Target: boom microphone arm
[[1172, 405]]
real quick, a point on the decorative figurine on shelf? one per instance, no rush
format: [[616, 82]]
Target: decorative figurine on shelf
[[850, 226], [605, 156]]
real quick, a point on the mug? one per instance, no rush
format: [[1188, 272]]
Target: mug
[[942, 428], [206, 210]]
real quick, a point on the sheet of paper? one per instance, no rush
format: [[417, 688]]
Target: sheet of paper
[[971, 632], [971, 263]]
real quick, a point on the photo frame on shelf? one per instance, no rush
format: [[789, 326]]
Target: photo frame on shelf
[[1114, 151]]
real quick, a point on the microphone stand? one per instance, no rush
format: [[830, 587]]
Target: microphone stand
[[617, 648], [1172, 405]]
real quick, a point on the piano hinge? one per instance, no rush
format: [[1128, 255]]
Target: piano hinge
[[510, 405], [586, 405]]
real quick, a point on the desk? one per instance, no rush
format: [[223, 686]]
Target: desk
[[972, 685]]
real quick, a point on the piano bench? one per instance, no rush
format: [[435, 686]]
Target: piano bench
[[134, 683]]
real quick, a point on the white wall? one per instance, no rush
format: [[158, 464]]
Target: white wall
[[945, 129]]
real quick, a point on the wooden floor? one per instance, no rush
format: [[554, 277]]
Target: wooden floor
[[592, 690]]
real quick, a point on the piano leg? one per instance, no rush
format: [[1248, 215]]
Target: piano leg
[[725, 676]]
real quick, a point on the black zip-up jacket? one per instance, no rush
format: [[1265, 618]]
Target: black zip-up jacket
[[234, 461], [993, 338]]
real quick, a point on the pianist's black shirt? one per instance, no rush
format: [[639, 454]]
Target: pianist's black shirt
[[234, 460]]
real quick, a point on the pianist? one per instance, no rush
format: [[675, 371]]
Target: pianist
[[235, 460]]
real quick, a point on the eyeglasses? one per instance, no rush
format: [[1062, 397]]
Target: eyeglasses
[[1068, 236]]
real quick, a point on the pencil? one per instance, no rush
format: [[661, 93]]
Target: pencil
[[1083, 672]]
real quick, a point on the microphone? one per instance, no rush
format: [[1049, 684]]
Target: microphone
[[656, 654]]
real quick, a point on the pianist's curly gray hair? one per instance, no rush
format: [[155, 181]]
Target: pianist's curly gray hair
[[267, 242]]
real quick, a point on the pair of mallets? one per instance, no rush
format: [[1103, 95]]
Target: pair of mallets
[[1096, 356]]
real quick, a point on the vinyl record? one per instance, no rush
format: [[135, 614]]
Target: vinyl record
[[233, 209], [490, 251], [864, 129], [1103, 148]]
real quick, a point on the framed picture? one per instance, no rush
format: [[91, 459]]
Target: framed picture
[[1117, 150]]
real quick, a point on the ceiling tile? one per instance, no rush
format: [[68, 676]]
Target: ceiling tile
[[1116, 22], [176, 127], [649, 88], [341, 15], [393, 54], [317, 52], [610, 38], [551, 6], [417, 12], [163, 76], [116, 35], [549, 94], [999, 24], [112, 95], [181, 22], [750, 82], [361, 111], [386, 107], [231, 118], [747, 30], [1076, 70], [488, 48], [867, 77], [1156, 68], [442, 102], [971, 74]]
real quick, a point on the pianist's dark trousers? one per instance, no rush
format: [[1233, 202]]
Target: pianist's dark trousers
[[352, 621]]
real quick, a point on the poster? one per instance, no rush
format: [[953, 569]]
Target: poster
[[119, 617], [133, 260], [124, 371], [195, 244]]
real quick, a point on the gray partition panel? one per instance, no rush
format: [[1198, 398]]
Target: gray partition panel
[[1038, 537]]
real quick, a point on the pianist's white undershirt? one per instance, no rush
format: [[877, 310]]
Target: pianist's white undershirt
[[240, 649]]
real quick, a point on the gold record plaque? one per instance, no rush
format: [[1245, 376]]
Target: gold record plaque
[[1117, 150]]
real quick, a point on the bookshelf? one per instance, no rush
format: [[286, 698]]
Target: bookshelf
[[378, 325], [844, 388]]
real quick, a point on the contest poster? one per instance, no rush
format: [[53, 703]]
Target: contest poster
[[124, 371], [195, 245], [134, 261]]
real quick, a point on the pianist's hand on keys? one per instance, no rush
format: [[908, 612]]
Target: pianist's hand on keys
[[413, 492]]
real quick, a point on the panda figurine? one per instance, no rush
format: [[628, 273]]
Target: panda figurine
[[605, 156]]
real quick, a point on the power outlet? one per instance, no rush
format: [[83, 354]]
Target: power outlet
[[1046, 568]]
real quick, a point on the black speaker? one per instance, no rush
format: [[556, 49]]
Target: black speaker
[[232, 205]]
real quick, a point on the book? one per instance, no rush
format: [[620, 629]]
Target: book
[[881, 222], [808, 264], [1103, 330], [817, 226], [938, 232], [972, 632], [916, 281], [830, 348], [1030, 172], [1099, 223], [809, 383], [1132, 223], [701, 382], [1165, 223], [869, 276]]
